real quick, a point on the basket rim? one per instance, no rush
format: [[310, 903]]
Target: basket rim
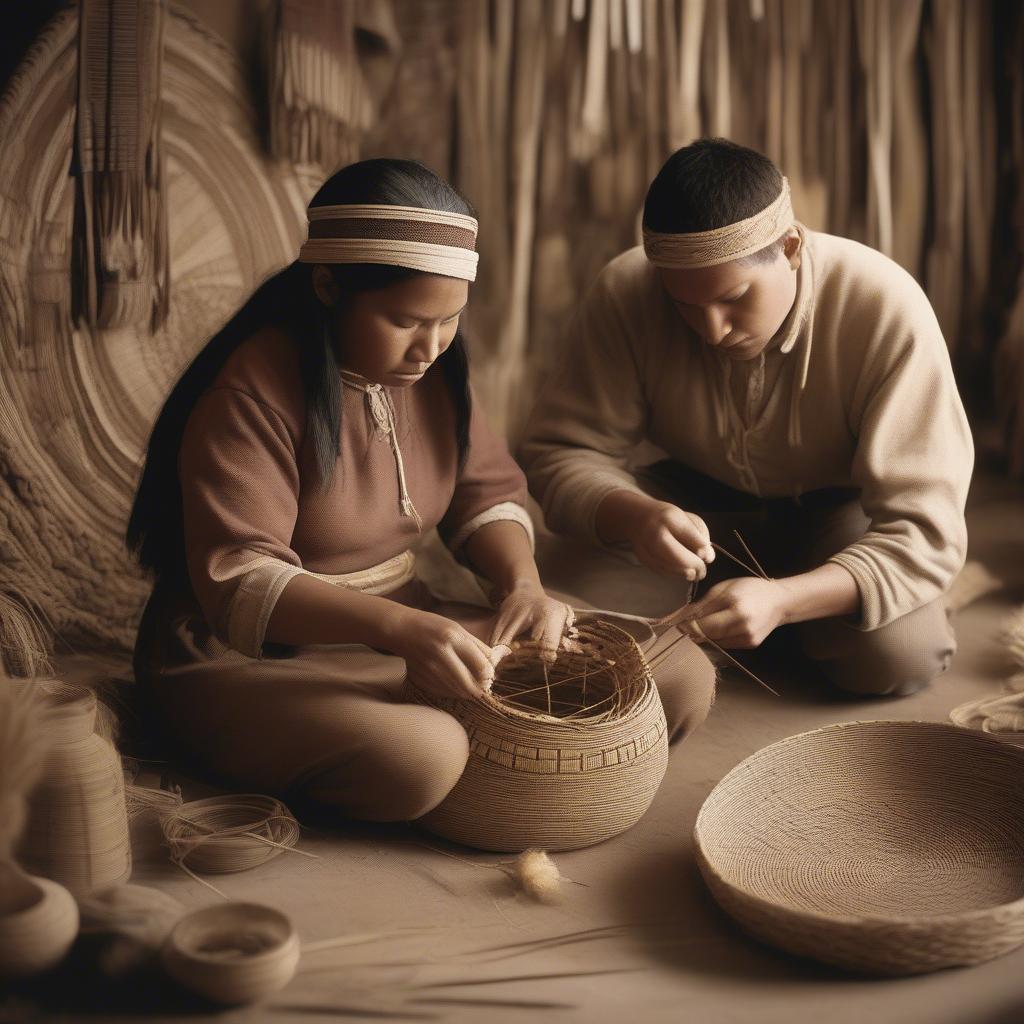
[[865, 921], [493, 703], [496, 704], [266, 807]]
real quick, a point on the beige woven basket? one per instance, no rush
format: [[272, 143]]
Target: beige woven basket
[[77, 827], [881, 847], [561, 762]]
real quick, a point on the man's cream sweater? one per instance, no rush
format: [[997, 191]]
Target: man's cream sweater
[[856, 391]]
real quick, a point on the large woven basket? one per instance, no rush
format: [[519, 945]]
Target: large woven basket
[[559, 783], [881, 847]]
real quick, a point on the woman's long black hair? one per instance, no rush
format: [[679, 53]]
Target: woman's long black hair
[[155, 531]]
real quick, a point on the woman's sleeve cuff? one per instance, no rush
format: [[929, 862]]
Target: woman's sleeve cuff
[[505, 511], [253, 603]]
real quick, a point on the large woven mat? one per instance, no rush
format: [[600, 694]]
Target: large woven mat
[[75, 408]]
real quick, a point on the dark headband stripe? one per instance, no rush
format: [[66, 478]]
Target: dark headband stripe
[[394, 230]]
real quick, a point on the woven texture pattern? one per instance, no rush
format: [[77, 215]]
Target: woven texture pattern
[[549, 767], [77, 828], [76, 406], [881, 847], [225, 834]]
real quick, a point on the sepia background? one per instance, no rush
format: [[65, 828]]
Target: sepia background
[[898, 122]]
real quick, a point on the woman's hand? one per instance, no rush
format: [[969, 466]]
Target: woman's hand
[[740, 612], [668, 540], [441, 657], [526, 608]]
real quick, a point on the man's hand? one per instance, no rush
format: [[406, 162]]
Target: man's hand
[[740, 612], [662, 536], [669, 540]]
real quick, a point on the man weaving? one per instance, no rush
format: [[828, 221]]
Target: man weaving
[[802, 389]]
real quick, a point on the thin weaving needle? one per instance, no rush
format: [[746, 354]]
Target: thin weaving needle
[[704, 638], [728, 554], [280, 846], [753, 558]]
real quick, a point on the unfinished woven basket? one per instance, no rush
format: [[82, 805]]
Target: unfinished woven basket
[[561, 756], [880, 847]]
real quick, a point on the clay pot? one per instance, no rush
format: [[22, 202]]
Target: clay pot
[[77, 828], [37, 934], [233, 952]]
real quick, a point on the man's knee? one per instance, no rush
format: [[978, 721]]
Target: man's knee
[[891, 662]]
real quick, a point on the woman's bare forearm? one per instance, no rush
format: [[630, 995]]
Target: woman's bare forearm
[[312, 611], [501, 553]]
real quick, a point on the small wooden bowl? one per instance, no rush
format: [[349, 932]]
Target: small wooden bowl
[[38, 936], [880, 847], [233, 952]]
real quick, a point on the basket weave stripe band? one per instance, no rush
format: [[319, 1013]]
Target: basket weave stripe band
[[693, 249]]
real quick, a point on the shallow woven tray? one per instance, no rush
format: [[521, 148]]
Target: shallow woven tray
[[534, 779], [880, 847]]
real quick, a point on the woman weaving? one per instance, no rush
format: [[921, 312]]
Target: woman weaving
[[302, 455]]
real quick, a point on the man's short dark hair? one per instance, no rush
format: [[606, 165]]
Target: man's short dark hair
[[709, 184]]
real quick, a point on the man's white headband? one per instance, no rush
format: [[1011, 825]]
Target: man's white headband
[[400, 236], [709, 248]]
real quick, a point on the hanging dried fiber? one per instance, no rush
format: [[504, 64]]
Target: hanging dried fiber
[[316, 95], [909, 142], [793, 85], [874, 23], [691, 32], [120, 264], [321, 101], [24, 640], [721, 107], [525, 124], [979, 103], [944, 261]]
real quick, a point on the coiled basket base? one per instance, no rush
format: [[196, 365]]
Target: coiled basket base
[[880, 847]]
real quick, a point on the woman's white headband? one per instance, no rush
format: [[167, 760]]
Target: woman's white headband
[[402, 236], [734, 241]]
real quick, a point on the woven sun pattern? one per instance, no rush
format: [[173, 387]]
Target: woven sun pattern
[[880, 847], [561, 756], [77, 404]]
